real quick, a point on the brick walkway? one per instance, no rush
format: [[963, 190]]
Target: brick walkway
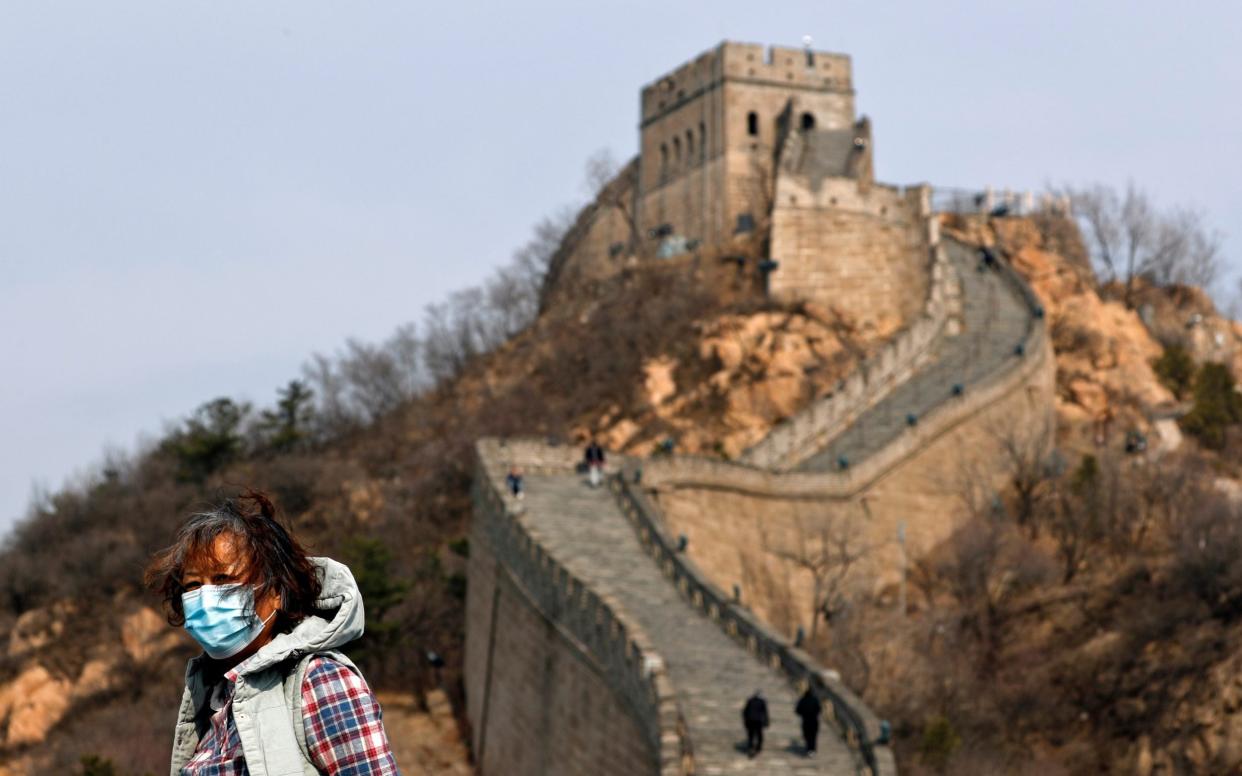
[[712, 675], [996, 319]]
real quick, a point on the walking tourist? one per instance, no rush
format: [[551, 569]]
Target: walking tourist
[[809, 709], [755, 718], [514, 481], [270, 694], [595, 462]]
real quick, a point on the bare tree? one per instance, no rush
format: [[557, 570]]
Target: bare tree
[[987, 565], [511, 301], [448, 341], [373, 379], [1074, 525], [611, 186], [365, 381], [1024, 450], [829, 552], [1187, 252], [1099, 504], [533, 260], [1207, 555], [1130, 238]]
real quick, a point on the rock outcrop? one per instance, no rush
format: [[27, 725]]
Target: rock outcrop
[[44, 690], [1105, 382], [747, 373]]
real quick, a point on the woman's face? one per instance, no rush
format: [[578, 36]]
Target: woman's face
[[227, 564]]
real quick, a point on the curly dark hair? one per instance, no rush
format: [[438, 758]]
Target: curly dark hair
[[275, 561]]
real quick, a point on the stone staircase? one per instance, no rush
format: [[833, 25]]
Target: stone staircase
[[712, 673], [714, 660], [996, 318]]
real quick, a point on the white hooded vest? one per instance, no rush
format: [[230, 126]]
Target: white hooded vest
[[267, 700]]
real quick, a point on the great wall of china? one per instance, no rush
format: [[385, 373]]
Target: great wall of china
[[595, 642]]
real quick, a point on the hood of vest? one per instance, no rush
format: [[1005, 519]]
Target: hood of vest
[[339, 621]]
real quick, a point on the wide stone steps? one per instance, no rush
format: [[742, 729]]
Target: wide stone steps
[[995, 321], [712, 675]]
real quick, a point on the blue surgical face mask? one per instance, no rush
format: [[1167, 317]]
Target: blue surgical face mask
[[221, 618]]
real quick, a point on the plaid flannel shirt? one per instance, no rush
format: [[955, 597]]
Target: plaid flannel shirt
[[344, 728]]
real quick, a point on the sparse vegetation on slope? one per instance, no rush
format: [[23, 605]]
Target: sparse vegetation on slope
[[1086, 618], [370, 459]]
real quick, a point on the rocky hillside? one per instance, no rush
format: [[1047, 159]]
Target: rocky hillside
[[1131, 624], [1089, 622], [667, 352]]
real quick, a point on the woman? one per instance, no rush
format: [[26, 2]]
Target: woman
[[270, 696]]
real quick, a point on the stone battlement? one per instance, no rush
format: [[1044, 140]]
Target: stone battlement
[[590, 626], [758, 473], [778, 66], [686, 471], [594, 564], [754, 141], [893, 471], [853, 720], [897, 361]]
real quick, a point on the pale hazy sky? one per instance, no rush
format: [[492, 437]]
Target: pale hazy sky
[[194, 195]]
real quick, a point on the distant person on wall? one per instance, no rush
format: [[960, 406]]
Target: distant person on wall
[[514, 481], [595, 462], [809, 708], [270, 695], [755, 718]]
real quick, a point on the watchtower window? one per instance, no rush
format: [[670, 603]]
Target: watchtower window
[[689, 146], [676, 150], [702, 141], [663, 158], [752, 123], [808, 121]]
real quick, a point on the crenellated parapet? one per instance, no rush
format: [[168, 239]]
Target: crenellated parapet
[[894, 475], [765, 468], [797, 438], [854, 721], [591, 625], [751, 144], [593, 564]]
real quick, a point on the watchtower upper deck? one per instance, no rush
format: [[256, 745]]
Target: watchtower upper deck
[[790, 68]]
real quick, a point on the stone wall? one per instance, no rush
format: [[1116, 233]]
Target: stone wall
[[799, 437], [702, 163], [599, 240], [557, 681], [711, 134], [860, 249], [680, 149], [752, 63], [853, 720], [734, 515], [689, 203], [541, 705]]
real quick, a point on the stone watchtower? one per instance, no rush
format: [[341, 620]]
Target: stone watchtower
[[711, 129], [745, 139]]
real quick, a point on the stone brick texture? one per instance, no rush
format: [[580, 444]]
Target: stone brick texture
[[711, 134], [915, 475], [565, 578], [549, 710], [863, 254]]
